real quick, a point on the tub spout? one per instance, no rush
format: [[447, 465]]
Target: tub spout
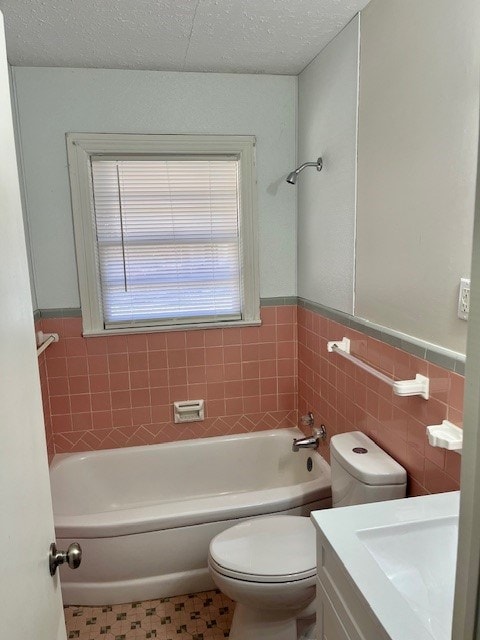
[[312, 442]]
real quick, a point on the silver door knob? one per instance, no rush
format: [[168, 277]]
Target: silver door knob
[[72, 556]]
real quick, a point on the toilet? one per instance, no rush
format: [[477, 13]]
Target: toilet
[[267, 565]]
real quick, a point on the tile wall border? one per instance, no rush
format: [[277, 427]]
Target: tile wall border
[[451, 360]]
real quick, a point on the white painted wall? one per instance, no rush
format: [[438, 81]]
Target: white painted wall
[[52, 101], [22, 193], [417, 148], [327, 116]]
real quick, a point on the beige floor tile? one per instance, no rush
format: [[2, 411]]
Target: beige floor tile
[[205, 616]]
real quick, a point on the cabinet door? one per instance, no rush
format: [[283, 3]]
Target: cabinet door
[[331, 626]]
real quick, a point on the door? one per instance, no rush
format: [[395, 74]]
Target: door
[[30, 600]]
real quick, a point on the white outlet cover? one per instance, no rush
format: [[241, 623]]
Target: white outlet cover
[[464, 299]]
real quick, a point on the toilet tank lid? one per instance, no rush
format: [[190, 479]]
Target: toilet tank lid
[[375, 467]]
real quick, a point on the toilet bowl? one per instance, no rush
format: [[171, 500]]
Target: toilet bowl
[[268, 565]]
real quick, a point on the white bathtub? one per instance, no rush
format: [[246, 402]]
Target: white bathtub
[[145, 516]]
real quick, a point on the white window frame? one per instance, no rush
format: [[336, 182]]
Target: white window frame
[[80, 148]]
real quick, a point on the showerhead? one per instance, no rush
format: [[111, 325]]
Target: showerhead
[[293, 176]]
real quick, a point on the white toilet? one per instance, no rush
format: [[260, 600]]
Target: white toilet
[[267, 565]]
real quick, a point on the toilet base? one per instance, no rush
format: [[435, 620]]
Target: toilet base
[[255, 624], [306, 629]]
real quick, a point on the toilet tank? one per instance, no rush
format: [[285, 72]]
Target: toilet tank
[[362, 472]]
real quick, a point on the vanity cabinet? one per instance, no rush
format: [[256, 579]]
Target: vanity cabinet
[[386, 570], [342, 611]]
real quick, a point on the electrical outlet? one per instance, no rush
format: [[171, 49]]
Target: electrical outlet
[[464, 299]]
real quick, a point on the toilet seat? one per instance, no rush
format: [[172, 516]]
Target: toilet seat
[[249, 577], [273, 549]]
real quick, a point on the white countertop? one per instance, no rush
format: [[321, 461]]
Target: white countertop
[[412, 597]]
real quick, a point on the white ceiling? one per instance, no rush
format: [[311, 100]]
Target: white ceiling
[[243, 36]]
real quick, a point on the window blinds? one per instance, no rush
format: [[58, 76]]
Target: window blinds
[[168, 239]]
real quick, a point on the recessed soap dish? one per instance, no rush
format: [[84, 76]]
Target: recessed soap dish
[[446, 435], [189, 411]]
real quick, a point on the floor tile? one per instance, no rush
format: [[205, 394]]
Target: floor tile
[[195, 616]]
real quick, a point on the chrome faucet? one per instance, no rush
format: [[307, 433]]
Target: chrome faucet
[[312, 442]]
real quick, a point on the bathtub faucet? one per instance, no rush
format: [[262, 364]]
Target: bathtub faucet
[[318, 433]]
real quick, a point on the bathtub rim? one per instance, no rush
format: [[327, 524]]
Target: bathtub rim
[[108, 524]]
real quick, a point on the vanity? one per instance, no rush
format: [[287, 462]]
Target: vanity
[[386, 570]]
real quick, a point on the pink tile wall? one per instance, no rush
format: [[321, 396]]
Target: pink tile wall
[[345, 398], [118, 391]]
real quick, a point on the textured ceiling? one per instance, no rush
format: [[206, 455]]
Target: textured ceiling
[[243, 36]]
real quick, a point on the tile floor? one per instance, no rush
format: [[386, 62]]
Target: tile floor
[[197, 616]]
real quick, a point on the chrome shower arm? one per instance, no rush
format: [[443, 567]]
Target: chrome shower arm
[[317, 164], [292, 177]]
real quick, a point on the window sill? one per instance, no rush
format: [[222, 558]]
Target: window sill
[[172, 327]]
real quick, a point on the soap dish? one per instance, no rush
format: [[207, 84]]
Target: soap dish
[[446, 435]]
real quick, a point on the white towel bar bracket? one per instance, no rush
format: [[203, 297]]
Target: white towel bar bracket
[[44, 340], [340, 345]]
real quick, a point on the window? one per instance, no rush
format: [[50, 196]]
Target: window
[[165, 230]]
